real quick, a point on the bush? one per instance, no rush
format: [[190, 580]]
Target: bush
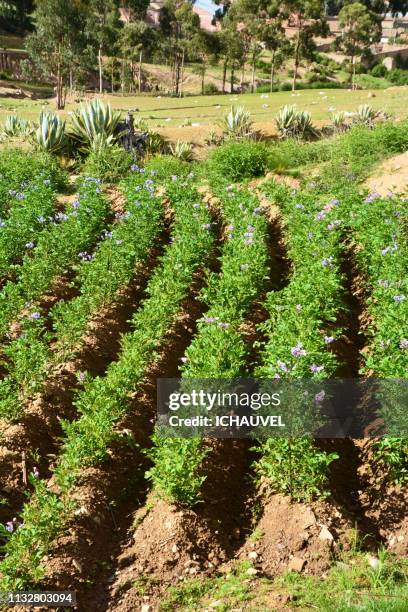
[[210, 89], [397, 76], [239, 160], [108, 163], [379, 70]]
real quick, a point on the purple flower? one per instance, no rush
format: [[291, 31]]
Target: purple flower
[[34, 316], [20, 196], [385, 251], [210, 319], [316, 369], [403, 344], [36, 472], [223, 325], [298, 350], [2, 223], [30, 245], [60, 217], [282, 365], [41, 219], [249, 242], [206, 226], [384, 283], [300, 206], [46, 181], [372, 197], [85, 256], [319, 397], [81, 376], [10, 526], [248, 235], [335, 201], [257, 210], [184, 359], [328, 339], [320, 216], [174, 177], [196, 206], [327, 261], [399, 298]]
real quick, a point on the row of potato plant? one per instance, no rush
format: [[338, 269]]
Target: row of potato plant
[[301, 330], [62, 245], [218, 351], [100, 279], [29, 213], [59, 248], [379, 231], [19, 168], [104, 400]]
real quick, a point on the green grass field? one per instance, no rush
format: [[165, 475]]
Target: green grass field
[[191, 118]]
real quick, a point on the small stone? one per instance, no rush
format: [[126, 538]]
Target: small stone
[[252, 555], [252, 571], [215, 604], [296, 564], [174, 548], [145, 608], [325, 534]]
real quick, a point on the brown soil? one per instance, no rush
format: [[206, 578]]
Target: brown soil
[[391, 176], [294, 536]]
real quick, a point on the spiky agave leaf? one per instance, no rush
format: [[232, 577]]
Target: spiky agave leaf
[[94, 119], [50, 134], [16, 126], [236, 123], [182, 150]]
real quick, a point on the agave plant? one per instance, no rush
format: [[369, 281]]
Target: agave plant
[[182, 150], [294, 124], [366, 115], [50, 135], [15, 126], [237, 123], [101, 142], [155, 143], [339, 121], [93, 119], [286, 121]]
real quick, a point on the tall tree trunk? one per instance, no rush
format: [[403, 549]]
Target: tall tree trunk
[[112, 75], [202, 81], [182, 72], [224, 75], [253, 76], [272, 71], [100, 69], [232, 77], [297, 50], [140, 70], [242, 77], [59, 86], [122, 78], [353, 72]]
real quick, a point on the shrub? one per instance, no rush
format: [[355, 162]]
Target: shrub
[[240, 160], [210, 89], [379, 70], [398, 76], [109, 163]]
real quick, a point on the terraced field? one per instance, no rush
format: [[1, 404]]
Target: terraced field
[[176, 272]]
